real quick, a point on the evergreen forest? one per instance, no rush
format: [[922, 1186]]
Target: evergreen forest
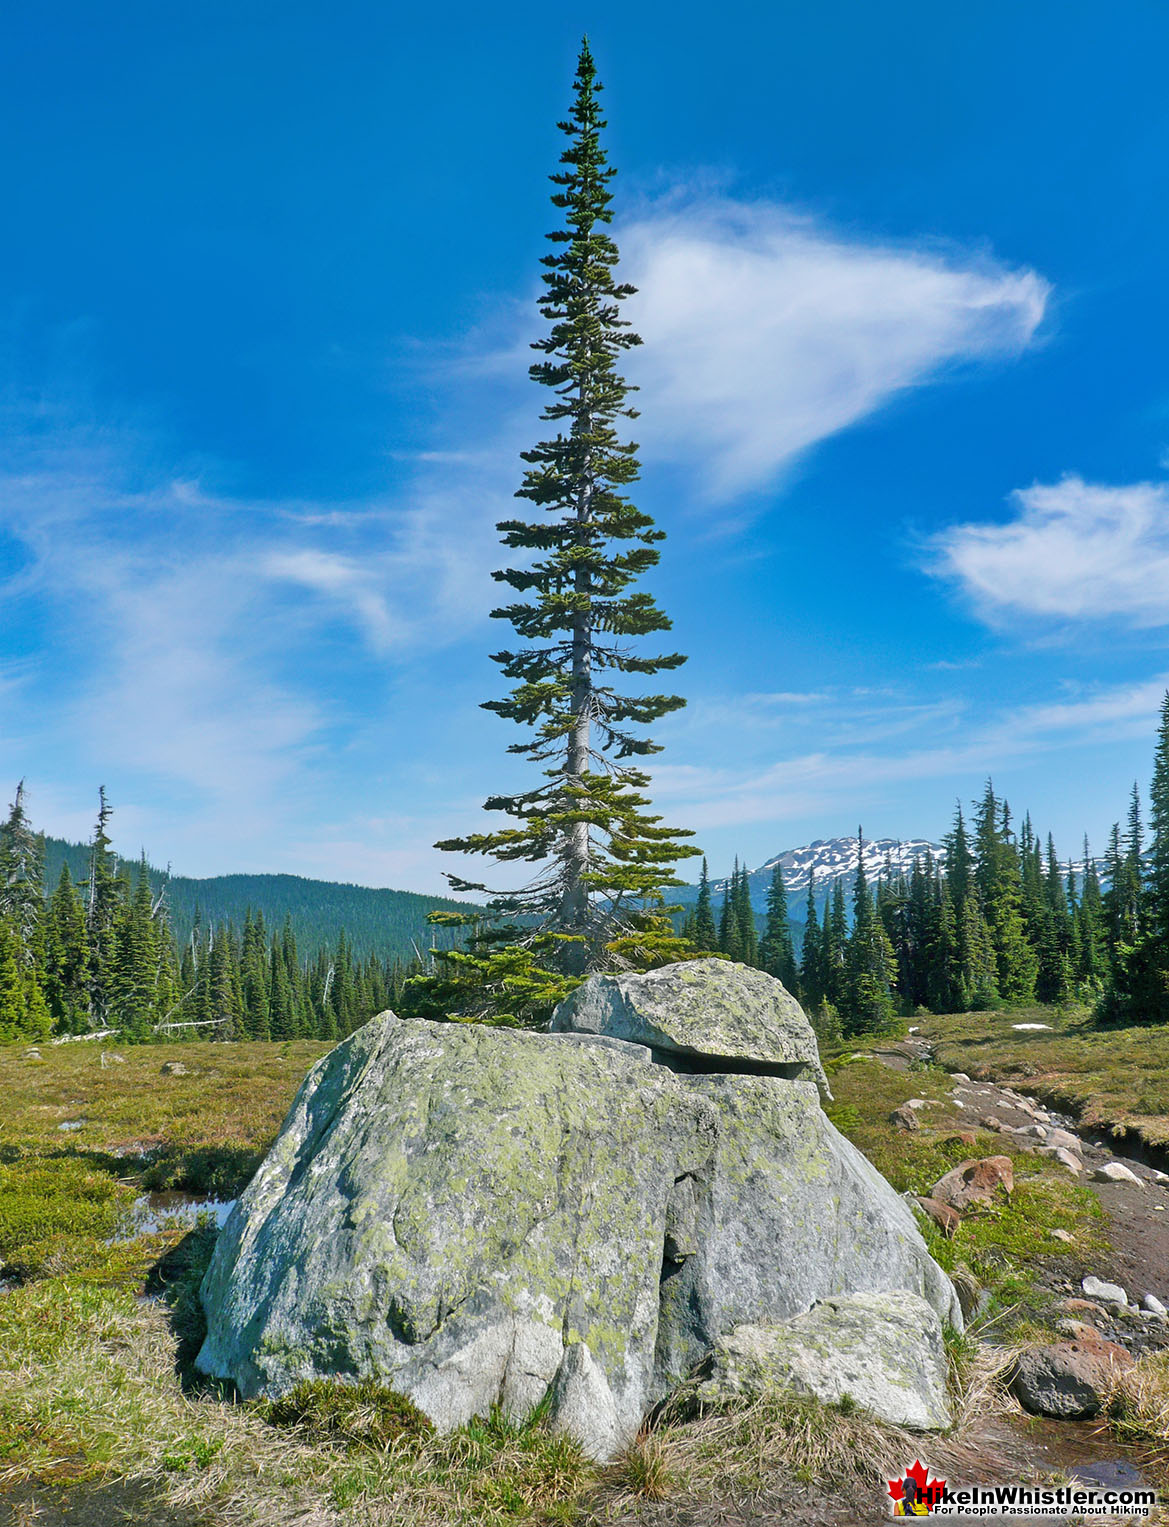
[[1002, 920], [99, 948]]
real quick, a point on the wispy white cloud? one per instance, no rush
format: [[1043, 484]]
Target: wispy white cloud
[[1072, 550], [194, 636], [766, 332], [826, 783]]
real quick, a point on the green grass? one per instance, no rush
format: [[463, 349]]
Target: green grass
[[206, 1131], [1111, 1079], [1005, 1244]]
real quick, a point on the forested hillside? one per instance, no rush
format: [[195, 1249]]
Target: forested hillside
[[384, 924]]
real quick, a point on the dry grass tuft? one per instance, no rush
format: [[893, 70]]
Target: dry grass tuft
[[649, 1469], [1138, 1402]]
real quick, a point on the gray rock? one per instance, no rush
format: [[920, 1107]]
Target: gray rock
[[961, 1077], [708, 1010], [477, 1216], [1065, 1158], [443, 1205], [1065, 1140], [883, 1350], [1104, 1293], [582, 1404], [1151, 1302], [1062, 1235], [1116, 1171], [1069, 1379], [172, 1068]]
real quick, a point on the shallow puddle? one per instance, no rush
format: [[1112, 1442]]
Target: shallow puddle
[[154, 1212]]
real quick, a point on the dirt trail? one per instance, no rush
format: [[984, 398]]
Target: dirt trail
[[1137, 1215]]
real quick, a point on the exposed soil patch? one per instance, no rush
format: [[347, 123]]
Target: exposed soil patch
[[91, 1505]]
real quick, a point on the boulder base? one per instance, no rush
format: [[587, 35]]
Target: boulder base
[[885, 1351]]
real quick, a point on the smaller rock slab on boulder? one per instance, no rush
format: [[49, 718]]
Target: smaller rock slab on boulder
[[883, 1350], [698, 1012], [974, 1182], [1069, 1379]]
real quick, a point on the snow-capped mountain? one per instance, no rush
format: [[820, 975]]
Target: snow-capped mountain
[[828, 860], [835, 858]]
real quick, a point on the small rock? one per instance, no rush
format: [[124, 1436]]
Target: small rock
[[1108, 1293], [960, 1076], [1065, 1158], [916, 1103], [1160, 1176], [914, 1029], [946, 1219], [1116, 1171], [1076, 1330], [1062, 1235], [1069, 1379], [970, 1292], [172, 1068], [904, 1118], [1065, 1139], [988, 1121], [1024, 1028], [974, 1182], [1151, 1302], [1036, 1131], [1084, 1307]]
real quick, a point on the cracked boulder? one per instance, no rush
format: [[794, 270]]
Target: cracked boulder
[[477, 1216], [703, 1016]]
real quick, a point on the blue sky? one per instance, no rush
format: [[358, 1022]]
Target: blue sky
[[265, 300]]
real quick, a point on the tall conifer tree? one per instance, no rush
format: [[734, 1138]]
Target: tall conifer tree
[[604, 859]]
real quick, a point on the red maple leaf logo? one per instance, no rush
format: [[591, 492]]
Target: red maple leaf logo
[[922, 1490], [919, 1475]]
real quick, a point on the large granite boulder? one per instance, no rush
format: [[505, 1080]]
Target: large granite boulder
[[478, 1216]]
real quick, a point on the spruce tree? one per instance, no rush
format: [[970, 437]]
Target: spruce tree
[[1138, 987], [67, 958], [705, 928], [1092, 960], [776, 954], [603, 859], [811, 962], [870, 968]]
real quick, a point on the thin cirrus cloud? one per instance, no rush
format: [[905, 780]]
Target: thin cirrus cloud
[[828, 784], [1073, 550], [765, 333]]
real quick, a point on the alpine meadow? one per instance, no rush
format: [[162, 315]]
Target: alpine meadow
[[732, 1106]]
